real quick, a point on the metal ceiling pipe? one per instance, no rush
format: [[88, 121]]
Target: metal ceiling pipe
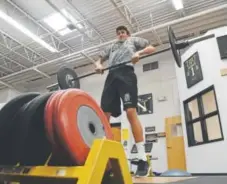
[[113, 9], [144, 31], [87, 22], [135, 34], [122, 14]]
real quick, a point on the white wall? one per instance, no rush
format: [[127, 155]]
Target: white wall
[[4, 95], [7, 94], [40, 85], [161, 82], [209, 158]]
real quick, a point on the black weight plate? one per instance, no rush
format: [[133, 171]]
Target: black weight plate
[[172, 41], [65, 78], [7, 155], [7, 113], [30, 144], [10, 109]]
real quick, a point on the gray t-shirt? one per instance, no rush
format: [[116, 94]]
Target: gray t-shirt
[[122, 51]]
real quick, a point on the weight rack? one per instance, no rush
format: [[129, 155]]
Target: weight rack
[[92, 172]]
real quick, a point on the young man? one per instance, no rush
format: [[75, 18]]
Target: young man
[[121, 83]]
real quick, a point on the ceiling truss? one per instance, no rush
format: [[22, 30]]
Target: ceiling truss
[[19, 55]]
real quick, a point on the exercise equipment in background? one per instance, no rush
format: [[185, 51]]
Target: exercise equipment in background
[[175, 173]]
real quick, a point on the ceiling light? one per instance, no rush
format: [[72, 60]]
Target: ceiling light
[[24, 30], [178, 4], [60, 24]]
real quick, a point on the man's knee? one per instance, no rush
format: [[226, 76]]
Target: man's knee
[[131, 112]]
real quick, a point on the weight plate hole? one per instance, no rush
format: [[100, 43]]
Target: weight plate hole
[[92, 128]]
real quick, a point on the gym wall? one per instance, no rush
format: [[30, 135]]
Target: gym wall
[[40, 85], [160, 82], [209, 157], [7, 94]]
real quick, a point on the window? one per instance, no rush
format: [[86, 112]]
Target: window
[[202, 118]]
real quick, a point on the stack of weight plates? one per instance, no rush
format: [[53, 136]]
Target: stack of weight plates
[[62, 124], [73, 120]]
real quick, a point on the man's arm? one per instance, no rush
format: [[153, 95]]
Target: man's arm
[[143, 46], [100, 60], [103, 56], [147, 50]]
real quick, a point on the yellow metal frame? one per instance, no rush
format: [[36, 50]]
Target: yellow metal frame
[[102, 152]]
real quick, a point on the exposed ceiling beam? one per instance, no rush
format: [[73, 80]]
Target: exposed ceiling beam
[[85, 55], [183, 19], [42, 73], [6, 68], [83, 32], [122, 14], [87, 22], [7, 85], [13, 61], [102, 13], [37, 23]]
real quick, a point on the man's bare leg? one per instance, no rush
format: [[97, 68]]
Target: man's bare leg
[[137, 131], [108, 115], [135, 124]]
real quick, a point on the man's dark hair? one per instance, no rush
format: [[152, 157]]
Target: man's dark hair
[[123, 28]]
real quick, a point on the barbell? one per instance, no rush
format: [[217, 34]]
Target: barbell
[[67, 78]]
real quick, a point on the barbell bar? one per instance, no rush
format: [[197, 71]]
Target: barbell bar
[[67, 78]]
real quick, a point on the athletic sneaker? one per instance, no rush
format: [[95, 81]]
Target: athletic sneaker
[[143, 169]]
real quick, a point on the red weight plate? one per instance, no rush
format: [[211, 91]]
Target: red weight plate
[[56, 142], [80, 120], [49, 110], [59, 157]]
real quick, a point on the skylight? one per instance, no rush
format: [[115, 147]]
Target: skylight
[[178, 4], [73, 20], [59, 23]]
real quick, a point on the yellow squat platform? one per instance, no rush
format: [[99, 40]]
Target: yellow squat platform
[[92, 172]]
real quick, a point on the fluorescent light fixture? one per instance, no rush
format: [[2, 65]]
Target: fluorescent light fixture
[[59, 23], [24, 30], [178, 4]]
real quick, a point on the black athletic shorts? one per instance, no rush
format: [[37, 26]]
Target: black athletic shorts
[[120, 84]]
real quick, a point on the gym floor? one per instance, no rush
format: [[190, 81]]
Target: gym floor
[[184, 180]]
